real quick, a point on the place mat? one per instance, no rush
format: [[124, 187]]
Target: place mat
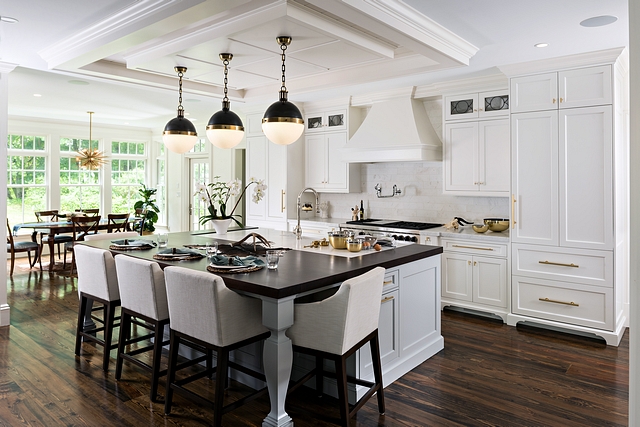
[[239, 269], [175, 254], [131, 245]]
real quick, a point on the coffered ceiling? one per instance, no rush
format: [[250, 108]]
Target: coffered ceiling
[[126, 49]]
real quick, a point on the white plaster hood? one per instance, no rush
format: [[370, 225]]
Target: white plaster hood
[[395, 130]]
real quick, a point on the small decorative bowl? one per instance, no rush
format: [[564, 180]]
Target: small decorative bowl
[[497, 224], [480, 228], [354, 245], [367, 241]]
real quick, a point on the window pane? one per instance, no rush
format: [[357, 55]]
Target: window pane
[[115, 147], [15, 141], [28, 178], [28, 142], [132, 148], [140, 149], [39, 143], [23, 202], [40, 163]]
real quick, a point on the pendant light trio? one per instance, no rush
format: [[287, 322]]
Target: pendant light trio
[[282, 122]]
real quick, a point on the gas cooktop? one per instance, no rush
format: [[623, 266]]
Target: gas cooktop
[[402, 225]]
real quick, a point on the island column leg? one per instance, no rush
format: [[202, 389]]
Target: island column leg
[[277, 316]]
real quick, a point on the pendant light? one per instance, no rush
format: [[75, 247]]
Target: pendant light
[[282, 122], [179, 134], [225, 129], [89, 158]]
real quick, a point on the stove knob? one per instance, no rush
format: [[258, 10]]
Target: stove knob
[[395, 237], [361, 233], [414, 239], [401, 238]]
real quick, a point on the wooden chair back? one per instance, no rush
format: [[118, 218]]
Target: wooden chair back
[[117, 222], [47, 216], [89, 212], [83, 225], [142, 214]]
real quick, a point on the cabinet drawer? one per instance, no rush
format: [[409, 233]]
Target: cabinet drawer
[[391, 280], [474, 247], [582, 305], [570, 265]]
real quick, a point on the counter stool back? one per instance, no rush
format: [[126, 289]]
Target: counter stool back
[[142, 296], [337, 327], [97, 283], [204, 311]]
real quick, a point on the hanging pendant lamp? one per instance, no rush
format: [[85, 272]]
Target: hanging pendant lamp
[[179, 134], [282, 122], [89, 158], [225, 129]]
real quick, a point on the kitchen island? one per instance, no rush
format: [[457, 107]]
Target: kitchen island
[[412, 285]]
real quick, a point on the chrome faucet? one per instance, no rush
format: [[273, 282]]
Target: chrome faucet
[[297, 229]]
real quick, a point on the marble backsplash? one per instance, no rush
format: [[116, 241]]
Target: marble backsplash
[[421, 198]]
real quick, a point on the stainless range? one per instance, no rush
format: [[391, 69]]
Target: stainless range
[[407, 231]]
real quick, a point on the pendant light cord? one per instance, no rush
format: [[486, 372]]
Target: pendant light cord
[[180, 107], [226, 72], [283, 88]]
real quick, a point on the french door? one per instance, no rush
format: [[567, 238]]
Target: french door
[[199, 173]]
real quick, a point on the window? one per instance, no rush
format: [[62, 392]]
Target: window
[[128, 162], [200, 147], [79, 188], [161, 185], [26, 177]]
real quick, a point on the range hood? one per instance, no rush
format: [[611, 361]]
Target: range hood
[[396, 130]]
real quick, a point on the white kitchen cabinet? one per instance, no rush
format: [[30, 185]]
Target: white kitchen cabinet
[[325, 169], [563, 178], [280, 168], [473, 279], [567, 240], [476, 158], [326, 121], [476, 105], [564, 89]]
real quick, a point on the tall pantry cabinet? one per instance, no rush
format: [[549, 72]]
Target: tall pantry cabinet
[[569, 231]]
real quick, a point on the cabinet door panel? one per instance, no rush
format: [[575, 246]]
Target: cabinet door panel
[[461, 157], [276, 181], [535, 177], [494, 144], [585, 87], [586, 178], [457, 277], [461, 106], [490, 281], [337, 168], [315, 161], [388, 327], [534, 93], [257, 168], [494, 103]]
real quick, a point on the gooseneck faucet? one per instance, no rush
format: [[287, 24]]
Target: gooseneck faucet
[[297, 229]]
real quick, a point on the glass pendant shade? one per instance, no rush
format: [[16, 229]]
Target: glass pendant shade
[[225, 129]]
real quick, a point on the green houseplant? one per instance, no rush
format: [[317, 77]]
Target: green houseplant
[[148, 204]]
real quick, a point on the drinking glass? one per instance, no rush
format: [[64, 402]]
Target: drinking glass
[[163, 239], [272, 259], [211, 250]]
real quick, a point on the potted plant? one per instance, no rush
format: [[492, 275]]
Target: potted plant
[[148, 205], [216, 195]]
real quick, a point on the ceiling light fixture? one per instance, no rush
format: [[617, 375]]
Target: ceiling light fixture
[[225, 129], [541, 45], [89, 158], [282, 122], [599, 21], [180, 134]]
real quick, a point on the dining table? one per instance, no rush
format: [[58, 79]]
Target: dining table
[[299, 273], [52, 229]]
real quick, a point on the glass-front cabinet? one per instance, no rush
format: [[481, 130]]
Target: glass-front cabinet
[[326, 121], [477, 105]]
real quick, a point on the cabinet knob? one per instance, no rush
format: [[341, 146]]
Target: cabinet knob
[[475, 262], [553, 100], [469, 262], [560, 99]]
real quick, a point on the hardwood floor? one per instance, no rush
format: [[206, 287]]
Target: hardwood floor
[[489, 374]]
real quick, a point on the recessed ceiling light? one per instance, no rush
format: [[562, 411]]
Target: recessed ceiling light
[[541, 44], [599, 21], [78, 82], [8, 19], [37, 95]]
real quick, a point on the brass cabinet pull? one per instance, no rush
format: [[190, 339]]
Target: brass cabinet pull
[[469, 262], [387, 282], [572, 304], [281, 200], [553, 100], [475, 263], [427, 239], [560, 99], [559, 263], [387, 299], [513, 210], [472, 247]]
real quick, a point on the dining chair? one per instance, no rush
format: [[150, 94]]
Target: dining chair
[[97, 283], [117, 222], [205, 312], [82, 226], [89, 212], [58, 239], [337, 327], [143, 301], [14, 247], [141, 217]]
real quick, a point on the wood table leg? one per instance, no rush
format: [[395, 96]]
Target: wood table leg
[[52, 244], [277, 316]]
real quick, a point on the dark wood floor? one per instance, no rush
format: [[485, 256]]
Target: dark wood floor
[[489, 374]]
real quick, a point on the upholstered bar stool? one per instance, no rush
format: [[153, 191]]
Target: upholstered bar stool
[[204, 311], [97, 283], [337, 327], [142, 297]]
